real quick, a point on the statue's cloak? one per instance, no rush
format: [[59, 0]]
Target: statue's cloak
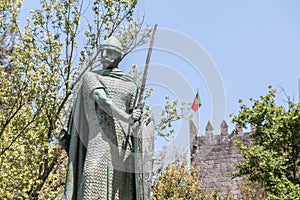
[[78, 125], [82, 127]]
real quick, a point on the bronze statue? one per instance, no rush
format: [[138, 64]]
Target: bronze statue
[[101, 159]]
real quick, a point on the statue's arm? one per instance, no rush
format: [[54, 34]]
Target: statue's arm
[[107, 105]]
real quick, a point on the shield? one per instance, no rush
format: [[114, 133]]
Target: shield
[[145, 155]]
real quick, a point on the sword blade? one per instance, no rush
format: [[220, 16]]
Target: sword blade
[[145, 74]]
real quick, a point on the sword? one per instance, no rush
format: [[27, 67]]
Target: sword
[[145, 74], [140, 105]]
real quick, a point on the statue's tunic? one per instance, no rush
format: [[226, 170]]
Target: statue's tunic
[[108, 170]]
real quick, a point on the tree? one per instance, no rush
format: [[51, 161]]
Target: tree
[[39, 68], [178, 180], [273, 158], [252, 190]]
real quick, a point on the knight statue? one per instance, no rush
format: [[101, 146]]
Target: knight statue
[[101, 164]]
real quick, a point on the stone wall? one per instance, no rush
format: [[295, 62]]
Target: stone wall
[[213, 154]]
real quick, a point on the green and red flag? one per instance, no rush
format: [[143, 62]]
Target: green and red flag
[[196, 103]]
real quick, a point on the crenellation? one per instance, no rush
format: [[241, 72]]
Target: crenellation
[[213, 154], [209, 130], [224, 128]]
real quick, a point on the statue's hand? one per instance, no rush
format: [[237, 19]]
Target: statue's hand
[[135, 115]]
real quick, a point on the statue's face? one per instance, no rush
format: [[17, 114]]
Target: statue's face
[[108, 56]]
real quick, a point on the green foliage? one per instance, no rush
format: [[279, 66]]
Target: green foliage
[[252, 190], [170, 114], [179, 181], [273, 158], [39, 68], [9, 11]]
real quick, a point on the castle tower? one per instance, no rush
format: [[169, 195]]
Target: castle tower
[[214, 154]]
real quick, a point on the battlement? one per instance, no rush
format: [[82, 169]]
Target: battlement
[[214, 154]]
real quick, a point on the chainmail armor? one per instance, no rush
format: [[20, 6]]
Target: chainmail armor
[[108, 169]]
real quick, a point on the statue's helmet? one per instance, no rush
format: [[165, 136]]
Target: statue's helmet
[[110, 51]]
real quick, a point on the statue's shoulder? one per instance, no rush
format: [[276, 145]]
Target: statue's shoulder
[[90, 81], [90, 78], [89, 75]]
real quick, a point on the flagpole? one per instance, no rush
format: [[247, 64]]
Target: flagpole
[[299, 90], [198, 111]]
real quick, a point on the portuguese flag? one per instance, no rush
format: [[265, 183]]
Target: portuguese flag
[[196, 103]]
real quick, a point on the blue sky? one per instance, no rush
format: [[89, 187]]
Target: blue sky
[[252, 43]]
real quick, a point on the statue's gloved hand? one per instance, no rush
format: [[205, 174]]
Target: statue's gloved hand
[[135, 115]]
